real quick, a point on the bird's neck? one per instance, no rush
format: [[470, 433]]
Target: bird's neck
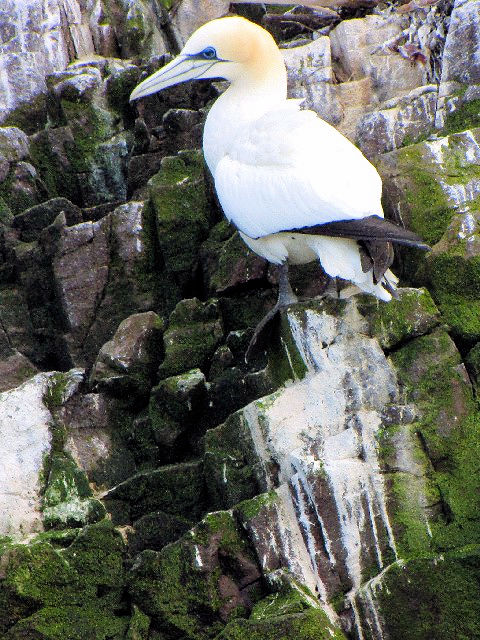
[[246, 99]]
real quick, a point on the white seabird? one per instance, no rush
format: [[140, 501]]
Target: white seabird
[[296, 188]]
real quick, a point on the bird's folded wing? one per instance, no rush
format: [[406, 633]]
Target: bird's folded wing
[[291, 170], [369, 228]]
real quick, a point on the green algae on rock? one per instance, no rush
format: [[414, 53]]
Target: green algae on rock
[[177, 489], [86, 579], [192, 587], [68, 499], [413, 314], [177, 194], [432, 376], [309, 625], [453, 273], [425, 597], [176, 407], [194, 333]]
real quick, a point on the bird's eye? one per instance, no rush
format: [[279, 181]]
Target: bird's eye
[[209, 53]]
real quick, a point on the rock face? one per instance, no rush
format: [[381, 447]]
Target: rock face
[[152, 484]]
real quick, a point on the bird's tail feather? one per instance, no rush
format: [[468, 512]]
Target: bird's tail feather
[[369, 228]]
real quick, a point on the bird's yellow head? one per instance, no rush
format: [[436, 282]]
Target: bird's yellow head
[[232, 48]]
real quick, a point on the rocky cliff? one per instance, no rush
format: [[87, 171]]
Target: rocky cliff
[[152, 485]]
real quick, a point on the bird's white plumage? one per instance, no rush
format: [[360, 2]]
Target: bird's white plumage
[[289, 169]]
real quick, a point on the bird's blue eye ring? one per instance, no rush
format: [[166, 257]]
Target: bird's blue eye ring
[[209, 53]]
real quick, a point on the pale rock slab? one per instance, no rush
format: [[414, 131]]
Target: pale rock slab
[[310, 78], [38, 38], [188, 15], [25, 441], [361, 48], [400, 122], [461, 60]]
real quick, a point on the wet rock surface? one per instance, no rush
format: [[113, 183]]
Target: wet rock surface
[[152, 485]]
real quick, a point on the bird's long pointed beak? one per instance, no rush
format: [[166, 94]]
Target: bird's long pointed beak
[[181, 69]]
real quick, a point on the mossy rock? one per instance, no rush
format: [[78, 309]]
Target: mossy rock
[[233, 471], [426, 187], [67, 499], [193, 335], [425, 207], [176, 408], [465, 116], [453, 272], [192, 586], [176, 489], [425, 598], [97, 554], [89, 572], [177, 194], [74, 623], [432, 376], [309, 625], [227, 263], [139, 625], [155, 530], [413, 314]]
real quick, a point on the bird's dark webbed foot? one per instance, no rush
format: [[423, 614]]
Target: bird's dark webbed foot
[[264, 328]]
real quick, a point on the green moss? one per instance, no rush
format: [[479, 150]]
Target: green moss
[[285, 362], [466, 116], [54, 396], [248, 509], [139, 625], [221, 527], [430, 374], [119, 86], [30, 116], [177, 194], [429, 598], [74, 623], [67, 499], [193, 335], [58, 176], [455, 283], [406, 502], [90, 125], [233, 471], [290, 597], [309, 625], [58, 539], [180, 586], [176, 489], [277, 604], [430, 212], [413, 314]]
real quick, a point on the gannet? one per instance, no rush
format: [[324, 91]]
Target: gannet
[[295, 188]]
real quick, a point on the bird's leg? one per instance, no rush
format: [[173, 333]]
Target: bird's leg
[[285, 297], [285, 292]]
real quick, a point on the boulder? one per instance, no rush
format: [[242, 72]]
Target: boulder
[[194, 332], [209, 574], [176, 489], [56, 593], [176, 410], [127, 363], [177, 194]]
